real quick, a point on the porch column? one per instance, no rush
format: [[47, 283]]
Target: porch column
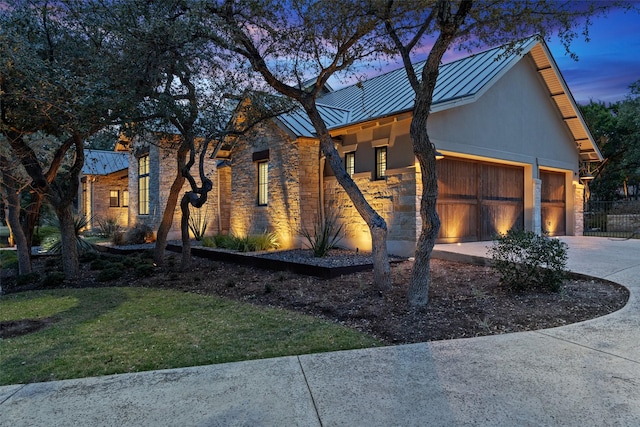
[[536, 220], [578, 209]]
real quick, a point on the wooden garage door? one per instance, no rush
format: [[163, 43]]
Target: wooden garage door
[[476, 200], [553, 203]]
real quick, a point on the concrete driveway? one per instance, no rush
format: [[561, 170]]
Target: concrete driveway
[[586, 374]]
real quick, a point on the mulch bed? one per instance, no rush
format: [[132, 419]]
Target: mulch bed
[[464, 300]]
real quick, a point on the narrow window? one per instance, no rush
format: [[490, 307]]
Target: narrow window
[[85, 199], [350, 163], [125, 198], [114, 199], [381, 162], [143, 185], [263, 183]]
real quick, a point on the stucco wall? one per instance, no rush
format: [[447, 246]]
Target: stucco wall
[[515, 120]]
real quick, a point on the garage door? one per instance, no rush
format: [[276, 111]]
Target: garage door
[[553, 205], [476, 200]]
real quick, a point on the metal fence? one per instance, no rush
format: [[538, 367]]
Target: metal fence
[[612, 219]]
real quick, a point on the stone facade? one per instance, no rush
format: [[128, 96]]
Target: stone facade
[[162, 173], [578, 205], [394, 198], [293, 180], [95, 200]]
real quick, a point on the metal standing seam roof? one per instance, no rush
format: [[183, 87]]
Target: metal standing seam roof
[[392, 93], [460, 81], [99, 162]]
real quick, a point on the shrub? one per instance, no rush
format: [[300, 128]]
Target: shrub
[[325, 236], [53, 279], [8, 259], [28, 279], [139, 234], [254, 242], [144, 270], [117, 238], [109, 274], [209, 242], [264, 241], [98, 264], [89, 256], [108, 226], [526, 260]]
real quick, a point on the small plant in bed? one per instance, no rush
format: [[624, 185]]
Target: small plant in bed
[[326, 235]]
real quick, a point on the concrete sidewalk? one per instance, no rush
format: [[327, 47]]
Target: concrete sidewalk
[[581, 374]]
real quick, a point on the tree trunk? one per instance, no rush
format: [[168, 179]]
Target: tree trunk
[[23, 248], [377, 224], [32, 215], [418, 292], [167, 215], [184, 230], [70, 263]]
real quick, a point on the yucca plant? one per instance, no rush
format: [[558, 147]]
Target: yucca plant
[[53, 244], [198, 221], [325, 236]]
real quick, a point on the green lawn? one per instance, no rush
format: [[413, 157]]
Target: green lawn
[[114, 330]]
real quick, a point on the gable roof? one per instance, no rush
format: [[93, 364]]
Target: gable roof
[[459, 82], [99, 162]]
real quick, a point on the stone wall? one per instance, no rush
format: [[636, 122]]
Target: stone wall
[[394, 198], [293, 180], [162, 173], [100, 187], [578, 209], [224, 193]]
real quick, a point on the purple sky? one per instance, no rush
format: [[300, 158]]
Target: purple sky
[[607, 64]]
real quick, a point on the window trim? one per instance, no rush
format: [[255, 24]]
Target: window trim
[[125, 198], [380, 169], [114, 200], [143, 185], [350, 167], [263, 183]]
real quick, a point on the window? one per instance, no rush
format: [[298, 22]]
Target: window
[[381, 162], [143, 185], [350, 163], [263, 182], [114, 199], [86, 200], [125, 198]]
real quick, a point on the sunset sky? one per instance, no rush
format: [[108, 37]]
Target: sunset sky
[[607, 64]]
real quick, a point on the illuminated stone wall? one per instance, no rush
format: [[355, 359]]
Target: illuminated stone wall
[[162, 173], [394, 198], [293, 181], [99, 188]]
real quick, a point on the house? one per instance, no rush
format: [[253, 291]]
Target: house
[[512, 137], [509, 129], [104, 187], [131, 185]]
